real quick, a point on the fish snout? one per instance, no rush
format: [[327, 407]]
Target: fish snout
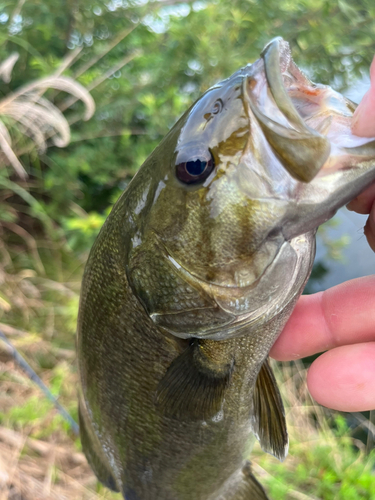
[[301, 149]]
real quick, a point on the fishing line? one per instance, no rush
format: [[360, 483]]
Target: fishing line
[[23, 364]]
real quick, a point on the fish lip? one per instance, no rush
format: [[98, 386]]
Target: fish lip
[[277, 60], [301, 149], [311, 139]]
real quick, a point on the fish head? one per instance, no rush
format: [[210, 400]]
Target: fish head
[[227, 205]]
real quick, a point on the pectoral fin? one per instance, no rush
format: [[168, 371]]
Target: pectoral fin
[[195, 383], [269, 415]]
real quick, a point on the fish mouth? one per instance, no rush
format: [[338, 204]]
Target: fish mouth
[[305, 123]]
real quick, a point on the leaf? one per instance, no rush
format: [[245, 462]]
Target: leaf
[[6, 67], [37, 117], [6, 146]]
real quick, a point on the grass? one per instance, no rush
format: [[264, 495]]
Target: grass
[[41, 458], [39, 455], [325, 461]]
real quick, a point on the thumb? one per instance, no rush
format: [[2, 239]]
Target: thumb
[[363, 123]]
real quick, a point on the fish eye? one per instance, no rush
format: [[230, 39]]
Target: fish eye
[[196, 169]]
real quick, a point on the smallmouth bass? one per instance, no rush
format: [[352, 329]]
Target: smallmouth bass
[[194, 275]]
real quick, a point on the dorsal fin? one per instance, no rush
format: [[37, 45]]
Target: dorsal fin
[[195, 383], [269, 415]]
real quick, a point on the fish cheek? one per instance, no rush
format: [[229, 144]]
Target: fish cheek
[[170, 300], [168, 213]]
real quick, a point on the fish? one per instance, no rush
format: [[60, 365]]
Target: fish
[[194, 275]]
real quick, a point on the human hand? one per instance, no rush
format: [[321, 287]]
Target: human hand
[[363, 120], [364, 125], [341, 320]]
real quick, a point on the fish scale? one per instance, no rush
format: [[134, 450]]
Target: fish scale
[[194, 275]]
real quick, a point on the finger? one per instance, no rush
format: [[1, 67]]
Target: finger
[[343, 378], [363, 203], [344, 314], [363, 123], [370, 228]]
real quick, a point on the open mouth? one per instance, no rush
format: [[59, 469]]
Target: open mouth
[[305, 123]]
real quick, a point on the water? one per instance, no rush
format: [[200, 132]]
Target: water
[[357, 258]]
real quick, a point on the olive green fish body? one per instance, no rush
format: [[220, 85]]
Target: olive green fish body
[[195, 274], [150, 454]]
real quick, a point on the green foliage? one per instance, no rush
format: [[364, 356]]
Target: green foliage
[[185, 48], [157, 60], [144, 64], [82, 231], [32, 412], [330, 469]]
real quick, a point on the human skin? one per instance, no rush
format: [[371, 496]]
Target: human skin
[[340, 320]]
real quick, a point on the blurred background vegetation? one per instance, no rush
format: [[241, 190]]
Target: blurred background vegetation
[[143, 63]]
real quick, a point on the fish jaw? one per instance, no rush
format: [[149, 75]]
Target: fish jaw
[[307, 127], [234, 311], [234, 241]]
